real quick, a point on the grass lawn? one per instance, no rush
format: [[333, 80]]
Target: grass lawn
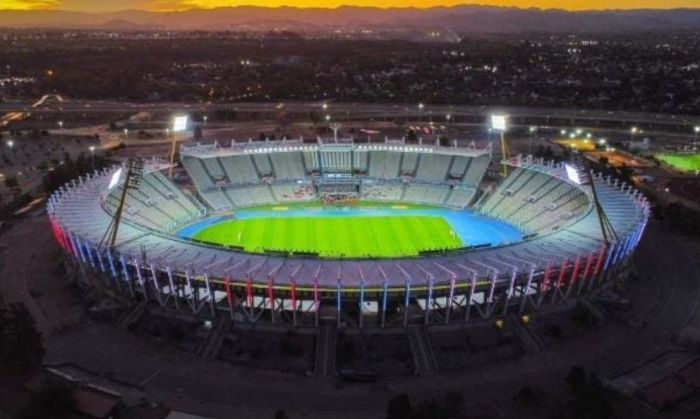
[[684, 162], [333, 237]]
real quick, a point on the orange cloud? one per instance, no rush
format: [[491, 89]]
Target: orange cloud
[[29, 4], [169, 5]]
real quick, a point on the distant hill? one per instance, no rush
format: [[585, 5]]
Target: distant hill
[[458, 19]]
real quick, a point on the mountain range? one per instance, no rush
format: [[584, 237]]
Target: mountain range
[[465, 19]]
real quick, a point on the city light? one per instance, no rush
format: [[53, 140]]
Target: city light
[[572, 174], [180, 123], [114, 180], [499, 122]]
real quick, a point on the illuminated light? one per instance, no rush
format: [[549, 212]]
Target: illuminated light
[[526, 319], [180, 123], [114, 180], [499, 324], [499, 122], [572, 174]]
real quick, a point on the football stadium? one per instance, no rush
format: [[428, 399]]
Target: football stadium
[[365, 234]]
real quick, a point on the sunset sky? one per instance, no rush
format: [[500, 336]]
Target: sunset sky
[[112, 5]]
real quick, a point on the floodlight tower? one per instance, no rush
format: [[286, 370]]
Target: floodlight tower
[[499, 123], [179, 125], [133, 177], [335, 126]]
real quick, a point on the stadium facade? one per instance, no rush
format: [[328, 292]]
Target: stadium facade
[[564, 252]]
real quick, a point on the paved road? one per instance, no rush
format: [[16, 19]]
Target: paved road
[[356, 109]]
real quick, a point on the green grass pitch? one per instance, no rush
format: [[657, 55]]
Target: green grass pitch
[[335, 237], [684, 162]]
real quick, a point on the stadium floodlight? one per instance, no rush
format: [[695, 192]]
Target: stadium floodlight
[[180, 123], [572, 174], [114, 180], [499, 123]]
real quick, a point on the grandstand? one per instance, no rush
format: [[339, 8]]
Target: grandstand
[[559, 254]]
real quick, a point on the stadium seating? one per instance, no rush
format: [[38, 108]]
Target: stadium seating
[[239, 169], [384, 164], [476, 169], [287, 166], [227, 180], [433, 167], [536, 202], [157, 204], [384, 191], [429, 194], [460, 197], [293, 191]]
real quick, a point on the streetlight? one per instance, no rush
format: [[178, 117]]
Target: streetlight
[[60, 128], [179, 124], [11, 143], [126, 133], [92, 153], [499, 123], [633, 131], [420, 109], [562, 132], [205, 120], [696, 130]]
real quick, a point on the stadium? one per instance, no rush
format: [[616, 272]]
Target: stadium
[[385, 234]]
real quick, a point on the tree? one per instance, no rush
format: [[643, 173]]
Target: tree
[[399, 407], [588, 397], [54, 401], [21, 345], [11, 182]]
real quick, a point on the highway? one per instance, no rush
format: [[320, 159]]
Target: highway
[[356, 110]]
